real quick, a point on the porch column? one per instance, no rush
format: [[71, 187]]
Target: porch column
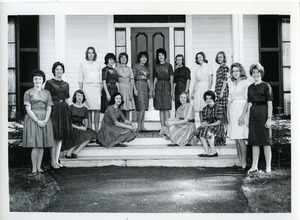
[[110, 34], [60, 36], [238, 38]]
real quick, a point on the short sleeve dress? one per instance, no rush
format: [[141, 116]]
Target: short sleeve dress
[[183, 134], [201, 77], [162, 98], [125, 76], [61, 117], [109, 134], [90, 76], [141, 75], [34, 135], [181, 76], [259, 95], [78, 135], [110, 76]]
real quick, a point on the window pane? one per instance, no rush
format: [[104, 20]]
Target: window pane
[[28, 31], [270, 62], [120, 50], [11, 31], [12, 112], [286, 79], [11, 55], [28, 62], [11, 81], [179, 37], [269, 31], [287, 104], [11, 99], [120, 38], [286, 30], [286, 50], [179, 50]]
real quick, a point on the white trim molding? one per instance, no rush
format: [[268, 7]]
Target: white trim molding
[[238, 38], [60, 37]]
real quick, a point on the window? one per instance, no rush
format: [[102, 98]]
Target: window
[[179, 39], [120, 41]]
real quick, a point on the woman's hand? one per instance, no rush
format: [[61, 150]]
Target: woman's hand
[[241, 120], [268, 123], [192, 95], [153, 94], [204, 124], [41, 123], [221, 95], [108, 97], [133, 127], [136, 93]]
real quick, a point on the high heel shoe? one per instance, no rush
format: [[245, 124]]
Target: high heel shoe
[[74, 155]]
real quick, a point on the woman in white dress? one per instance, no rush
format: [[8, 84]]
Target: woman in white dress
[[203, 77], [90, 81], [126, 84], [238, 122]]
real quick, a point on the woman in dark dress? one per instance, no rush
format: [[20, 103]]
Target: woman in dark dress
[[37, 131], [221, 89], [81, 134], [61, 117], [212, 125], [142, 87], [109, 80], [260, 99], [115, 128], [182, 79], [163, 87]]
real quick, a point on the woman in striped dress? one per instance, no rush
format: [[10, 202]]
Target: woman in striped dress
[[115, 128], [211, 126], [182, 128]]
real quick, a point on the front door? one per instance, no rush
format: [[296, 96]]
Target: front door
[[149, 39]]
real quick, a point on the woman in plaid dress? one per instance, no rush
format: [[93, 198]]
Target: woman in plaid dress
[[212, 125], [221, 90]]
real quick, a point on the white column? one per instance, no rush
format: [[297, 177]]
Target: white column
[[60, 36], [128, 45], [189, 57], [171, 45], [110, 34], [238, 38]]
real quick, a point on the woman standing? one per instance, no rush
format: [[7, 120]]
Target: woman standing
[[221, 89], [126, 84], [182, 128], [182, 79], [81, 135], [142, 86], [260, 99], [90, 78], [61, 117], [163, 87], [211, 126], [203, 81], [238, 122], [109, 80], [115, 128], [37, 131]]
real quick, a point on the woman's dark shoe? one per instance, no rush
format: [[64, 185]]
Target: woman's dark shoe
[[68, 157], [172, 145], [74, 156], [252, 172], [188, 145], [121, 145], [212, 155], [202, 155]]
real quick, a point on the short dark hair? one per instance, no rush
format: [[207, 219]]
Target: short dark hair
[[241, 68], [224, 55], [56, 64], [109, 56], [86, 53], [162, 51], [112, 100], [123, 54], [187, 96], [38, 73], [141, 54], [209, 93], [79, 91], [180, 55], [203, 55], [259, 67]]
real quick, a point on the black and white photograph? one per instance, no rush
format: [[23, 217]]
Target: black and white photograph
[[130, 110]]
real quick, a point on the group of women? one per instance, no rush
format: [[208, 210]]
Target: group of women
[[118, 89]]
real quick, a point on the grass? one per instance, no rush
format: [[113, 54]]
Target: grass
[[269, 193], [30, 192]]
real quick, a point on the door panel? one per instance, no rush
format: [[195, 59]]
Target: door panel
[[149, 39]]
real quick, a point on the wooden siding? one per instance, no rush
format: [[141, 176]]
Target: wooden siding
[[83, 31], [251, 41], [47, 44]]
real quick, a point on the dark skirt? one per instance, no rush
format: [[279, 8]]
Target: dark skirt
[[142, 99], [179, 88], [162, 99], [61, 120], [259, 135], [78, 137], [112, 88]]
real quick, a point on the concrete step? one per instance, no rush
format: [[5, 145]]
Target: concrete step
[[152, 160]]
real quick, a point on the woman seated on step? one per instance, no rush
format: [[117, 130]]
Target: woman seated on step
[[115, 128], [181, 129], [211, 126], [81, 134]]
